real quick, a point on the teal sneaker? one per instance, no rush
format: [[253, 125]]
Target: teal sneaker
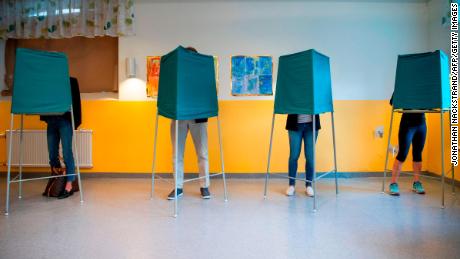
[[417, 187], [394, 189]]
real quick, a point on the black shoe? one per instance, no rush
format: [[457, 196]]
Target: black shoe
[[205, 194], [172, 195], [65, 194]]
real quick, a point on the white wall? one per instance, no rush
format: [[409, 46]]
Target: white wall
[[362, 39], [439, 33]]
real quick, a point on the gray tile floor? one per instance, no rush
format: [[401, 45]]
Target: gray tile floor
[[118, 220]]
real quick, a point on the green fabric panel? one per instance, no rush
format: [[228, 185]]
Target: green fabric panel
[[304, 84], [41, 83], [322, 89], [167, 86], [187, 87], [422, 81]]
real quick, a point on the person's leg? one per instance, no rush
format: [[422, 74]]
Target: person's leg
[[417, 167], [404, 139], [295, 141], [200, 140], [52, 137], [418, 143], [405, 136], [397, 165], [66, 133], [182, 135], [309, 147]]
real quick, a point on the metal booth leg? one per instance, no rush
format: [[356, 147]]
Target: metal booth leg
[[77, 161], [154, 155], [222, 167], [386, 150], [335, 153], [442, 159], [269, 156], [175, 167], [314, 162], [21, 148], [8, 176]]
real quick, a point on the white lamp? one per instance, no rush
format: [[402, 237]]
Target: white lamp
[[132, 89], [130, 67]]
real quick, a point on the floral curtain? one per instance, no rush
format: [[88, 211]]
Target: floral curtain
[[32, 19]]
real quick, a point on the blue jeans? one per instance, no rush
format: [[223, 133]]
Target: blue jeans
[[60, 129], [305, 132]]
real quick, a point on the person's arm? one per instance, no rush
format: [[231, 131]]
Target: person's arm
[[317, 122], [76, 102], [291, 122]]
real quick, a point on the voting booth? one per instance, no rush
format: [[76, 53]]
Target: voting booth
[[304, 87], [41, 87], [422, 81], [187, 91], [422, 85]]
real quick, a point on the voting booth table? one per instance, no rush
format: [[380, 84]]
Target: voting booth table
[[41, 87], [304, 87], [187, 91], [422, 85]]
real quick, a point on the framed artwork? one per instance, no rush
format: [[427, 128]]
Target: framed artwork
[[153, 74], [252, 75]]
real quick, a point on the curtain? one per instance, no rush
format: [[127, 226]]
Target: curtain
[[32, 19]]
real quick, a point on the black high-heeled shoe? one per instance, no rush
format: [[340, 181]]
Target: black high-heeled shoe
[[65, 194]]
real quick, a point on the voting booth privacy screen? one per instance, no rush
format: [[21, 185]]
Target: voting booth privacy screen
[[304, 84], [41, 83], [187, 87], [422, 81]]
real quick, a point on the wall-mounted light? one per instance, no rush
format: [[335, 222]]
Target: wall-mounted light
[[132, 89], [130, 67]]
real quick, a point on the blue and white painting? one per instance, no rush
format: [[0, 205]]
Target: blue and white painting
[[252, 75]]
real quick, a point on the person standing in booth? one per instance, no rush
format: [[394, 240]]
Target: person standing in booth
[[300, 126], [412, 129], [198, 129], [59, 129]]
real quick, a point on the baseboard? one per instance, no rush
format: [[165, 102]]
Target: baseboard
[[342, 175]]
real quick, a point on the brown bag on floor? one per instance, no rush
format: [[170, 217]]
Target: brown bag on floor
[[55, 186]]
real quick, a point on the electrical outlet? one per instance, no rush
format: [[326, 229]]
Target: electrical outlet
[[393, 149], [378, 132]]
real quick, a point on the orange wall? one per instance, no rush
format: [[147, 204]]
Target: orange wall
[[123, 137]]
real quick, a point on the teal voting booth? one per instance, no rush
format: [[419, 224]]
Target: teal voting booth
[[187, 91], [422, 81], [187, 87], [304, 87], [304, 84], [422, 85], [41, 87]]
